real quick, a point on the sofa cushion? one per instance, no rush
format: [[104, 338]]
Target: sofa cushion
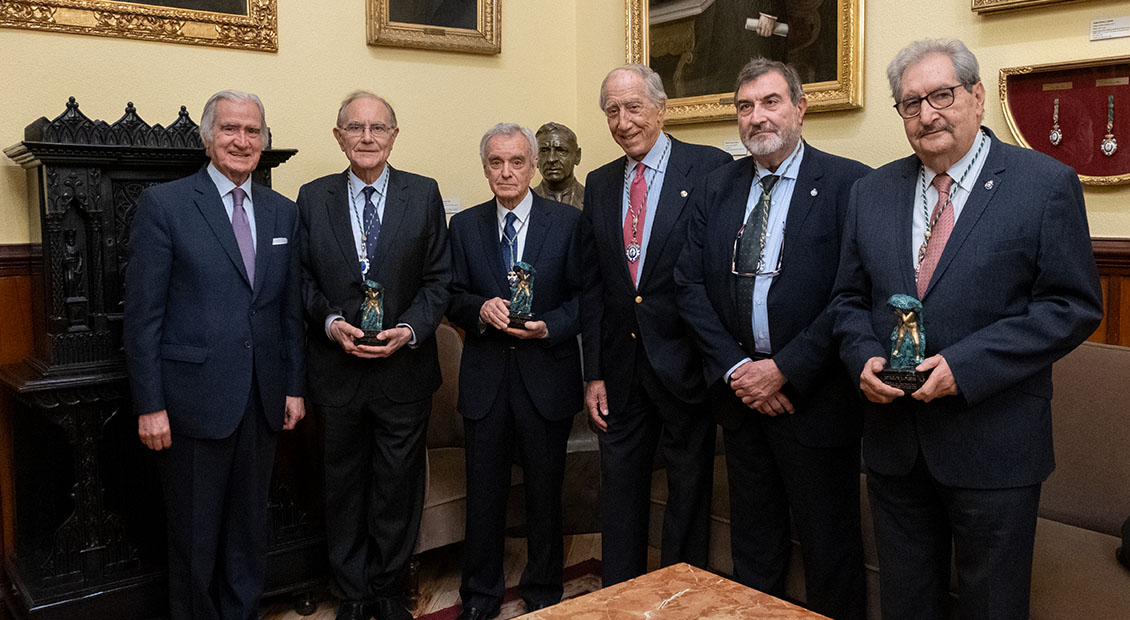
[[1075, 575]]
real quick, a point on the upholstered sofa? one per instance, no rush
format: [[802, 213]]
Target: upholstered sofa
[[1082, 507]]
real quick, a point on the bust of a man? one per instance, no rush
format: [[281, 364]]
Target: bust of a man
[[558, 154]]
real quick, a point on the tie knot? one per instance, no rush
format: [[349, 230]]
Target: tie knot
[[368, 190], [942, 183], [238, 196], [640, 167], [511, 218], [768, 181]]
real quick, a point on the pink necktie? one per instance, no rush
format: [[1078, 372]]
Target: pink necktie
[[242, 228], [939, 232], [633, 221]]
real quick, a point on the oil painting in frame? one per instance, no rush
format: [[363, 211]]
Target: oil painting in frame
[[451, 25], [698, 46], [239, 24], [996, 6]]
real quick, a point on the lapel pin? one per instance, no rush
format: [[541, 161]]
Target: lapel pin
[[989, 184], [814, 192], [683, 193]]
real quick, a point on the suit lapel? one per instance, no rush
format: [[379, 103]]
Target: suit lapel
[[211, 206], [535, 230], [396, 207], [488, 230], [731, 221], [805, 195], [672, 199], [904, 195], [614, 221], [265, 214], [338, 213], [981, 192]]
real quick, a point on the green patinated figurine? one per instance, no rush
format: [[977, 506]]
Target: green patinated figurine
[[908, 345], [372, 314], [521, 294]]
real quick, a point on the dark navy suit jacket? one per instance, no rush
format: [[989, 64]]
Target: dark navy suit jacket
[[800, 324], [615, 316], [1016, 288], [550, 368], [196, 333]]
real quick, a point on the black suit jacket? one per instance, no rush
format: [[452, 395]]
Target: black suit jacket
[[412, 262], [550, 368], [196, 333], [1015, 289], [613, 322], [800, 323]]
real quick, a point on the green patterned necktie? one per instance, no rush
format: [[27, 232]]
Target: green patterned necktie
[[748, 259]]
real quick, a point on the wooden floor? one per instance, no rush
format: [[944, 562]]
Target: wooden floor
[[439, 576]]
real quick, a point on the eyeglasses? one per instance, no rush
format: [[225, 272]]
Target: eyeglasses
[[759, 273], [356, 130], [939, 100]]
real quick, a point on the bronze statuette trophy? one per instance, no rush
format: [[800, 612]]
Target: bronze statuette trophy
[[908, 345], [372, 314], [521, 279]]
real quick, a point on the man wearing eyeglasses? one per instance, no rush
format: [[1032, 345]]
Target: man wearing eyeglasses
[[372, 222], [993, 240], [755, 278]]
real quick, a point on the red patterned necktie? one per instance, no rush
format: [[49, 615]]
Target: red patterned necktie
[[633, 221], [940, 230]]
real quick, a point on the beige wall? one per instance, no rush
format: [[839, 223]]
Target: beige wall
[[445, 101]]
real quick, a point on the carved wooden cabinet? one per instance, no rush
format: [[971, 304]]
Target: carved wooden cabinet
[[89, 519]]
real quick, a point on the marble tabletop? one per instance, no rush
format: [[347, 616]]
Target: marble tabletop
[[678, 592]]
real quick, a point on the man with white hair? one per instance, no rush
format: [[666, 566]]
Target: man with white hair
[[993, 240], [643, 373], [213, 341], [519, 384]]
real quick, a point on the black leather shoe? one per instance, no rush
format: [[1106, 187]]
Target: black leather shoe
[[536, 605], [389, 609], [476, 613], [353, 610]]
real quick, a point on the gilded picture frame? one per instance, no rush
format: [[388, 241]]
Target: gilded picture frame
[[436, 25], [997, 6], [836, 69], [255, 28]]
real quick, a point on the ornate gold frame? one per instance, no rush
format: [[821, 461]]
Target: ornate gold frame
[[996, 6], [1119, 179], [486, 39], [258, 30], [844, 93]]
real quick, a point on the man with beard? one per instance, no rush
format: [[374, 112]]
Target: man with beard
[[643, 374], [755, 278], [558, 155]]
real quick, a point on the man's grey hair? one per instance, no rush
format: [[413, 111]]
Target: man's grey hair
[[508, 130], [759, 66], [363, 94], [653, 84], [965, 66], [208, 117], [551, 127]]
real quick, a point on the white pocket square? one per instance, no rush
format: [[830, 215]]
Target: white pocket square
[[278, 241]]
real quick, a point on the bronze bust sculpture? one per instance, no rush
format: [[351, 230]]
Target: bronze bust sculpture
[[558, 154]]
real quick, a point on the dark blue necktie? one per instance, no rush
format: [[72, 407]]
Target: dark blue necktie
[[509, 242], [372, 223]]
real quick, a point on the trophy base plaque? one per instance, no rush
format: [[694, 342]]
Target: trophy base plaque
[[370, 339], [906, 380], [518, 319]]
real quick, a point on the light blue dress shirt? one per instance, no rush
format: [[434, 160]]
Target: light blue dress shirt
[[655, 163], [964, 174], [225, 186]]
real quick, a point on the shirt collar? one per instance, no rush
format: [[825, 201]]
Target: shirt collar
[[522, 211], [957, 170], [788, 168], [656, 158], [225, 185], [356, 184]]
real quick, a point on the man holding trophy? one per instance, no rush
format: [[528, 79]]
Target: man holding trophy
[[516, 292], [375, 269]]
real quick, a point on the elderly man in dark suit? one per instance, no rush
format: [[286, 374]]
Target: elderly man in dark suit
[[643, 373], [213, 340], [755, 280], [993, 240], [372, 222], [519, 387]]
